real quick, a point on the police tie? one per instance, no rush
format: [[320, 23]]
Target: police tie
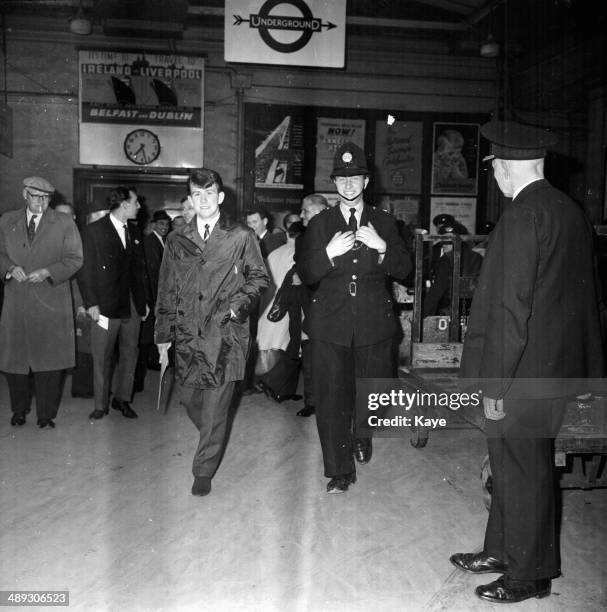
[[206, 232], [352, 225], [31, 228]]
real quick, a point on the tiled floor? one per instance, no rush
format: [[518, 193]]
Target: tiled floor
[[103, 509]]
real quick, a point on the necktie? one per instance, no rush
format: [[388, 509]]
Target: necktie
[[352, 225], [127, 240], [31, 228], [206, 232]]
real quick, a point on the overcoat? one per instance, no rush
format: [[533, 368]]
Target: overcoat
[[352, 303], [198, 287], [534, 325], [37, 323]]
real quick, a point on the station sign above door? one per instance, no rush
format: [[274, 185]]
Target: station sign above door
[[288, 32]]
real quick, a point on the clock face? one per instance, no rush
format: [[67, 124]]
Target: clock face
[[142, 147]]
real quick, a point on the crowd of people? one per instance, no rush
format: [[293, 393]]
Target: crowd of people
[[242, 307]]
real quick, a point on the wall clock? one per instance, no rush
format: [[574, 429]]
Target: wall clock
[[142, 146]]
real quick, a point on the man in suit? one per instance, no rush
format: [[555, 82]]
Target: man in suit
[[533, 336], [40, 250], [153, 247], [115, 292], [349, 251], [211, 276], [259, 221]]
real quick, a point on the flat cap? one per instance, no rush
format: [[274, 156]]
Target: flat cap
[[349, 160], [38, 183], [512, 140], [160, 215]]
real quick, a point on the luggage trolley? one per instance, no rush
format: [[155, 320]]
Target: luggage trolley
[[433, 367]]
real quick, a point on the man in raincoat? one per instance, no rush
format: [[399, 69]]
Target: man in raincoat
[[211, 276]]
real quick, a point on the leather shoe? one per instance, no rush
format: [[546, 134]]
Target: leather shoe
[[508, 590], [124, 407], [97, 414], [201, 486], [340, 484], [18, 420], [478, 563], [306, 411], [42, 423], [363, 450]]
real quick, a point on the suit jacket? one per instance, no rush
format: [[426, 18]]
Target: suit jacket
[[111, 275], [271, 241], [199, 284], [351, 303], [534, 314], [37, 322]]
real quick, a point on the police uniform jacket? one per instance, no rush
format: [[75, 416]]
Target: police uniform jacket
[[37, 323], [534, 323], [351, 304], [199, 284]]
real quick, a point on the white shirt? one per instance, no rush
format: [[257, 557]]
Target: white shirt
[[210, 222], [29, 214], [119, 225], [525, 185], [345, 211]]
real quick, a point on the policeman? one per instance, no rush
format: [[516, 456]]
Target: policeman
[[348, 251]]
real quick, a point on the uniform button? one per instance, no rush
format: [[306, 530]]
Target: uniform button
[[353, 276], [200, 297], [355, 261]]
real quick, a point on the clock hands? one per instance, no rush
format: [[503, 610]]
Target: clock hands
[[141, 150]]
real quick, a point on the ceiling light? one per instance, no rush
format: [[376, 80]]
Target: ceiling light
[[490, 48], [80, 24]]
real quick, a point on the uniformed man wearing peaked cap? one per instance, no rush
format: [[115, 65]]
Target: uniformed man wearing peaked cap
[[347, 252], [533, 335]]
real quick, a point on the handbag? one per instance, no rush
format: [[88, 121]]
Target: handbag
[[266, 360], [280, 305]]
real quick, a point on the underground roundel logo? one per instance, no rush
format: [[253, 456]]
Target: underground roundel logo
[[265, 21], [346, 157]]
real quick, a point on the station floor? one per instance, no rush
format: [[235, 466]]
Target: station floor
[[103, 510]]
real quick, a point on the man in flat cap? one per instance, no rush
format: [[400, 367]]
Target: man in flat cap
[[533, 334], [348, 251], [40, 250]]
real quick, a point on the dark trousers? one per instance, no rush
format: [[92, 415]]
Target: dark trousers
[[103, 342], [306, 372], [334, 372], [521, 529], [47, 386], [208, 409]]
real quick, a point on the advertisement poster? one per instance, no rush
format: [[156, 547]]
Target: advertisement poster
[[398, 156], [278, 141], [330, 134], [455, 158], [462, 209], [286, 32], [404, 208], [137, 108]]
